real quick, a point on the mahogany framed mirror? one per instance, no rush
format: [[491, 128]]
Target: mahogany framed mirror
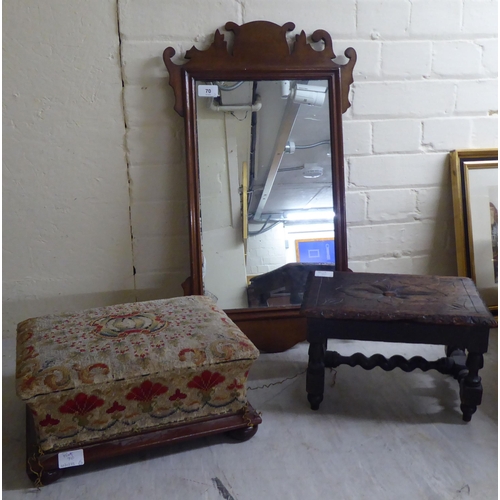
[[264, 153]]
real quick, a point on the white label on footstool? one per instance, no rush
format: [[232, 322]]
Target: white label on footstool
[[324, 274], [72, 458]]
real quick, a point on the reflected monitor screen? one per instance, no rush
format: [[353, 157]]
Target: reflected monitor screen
[[317, 251]]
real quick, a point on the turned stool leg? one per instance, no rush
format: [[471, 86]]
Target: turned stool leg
[[471, 390], [315, 380]]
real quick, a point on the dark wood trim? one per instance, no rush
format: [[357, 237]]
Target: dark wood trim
[[43, 468], [338, 186], [475, 337], [196, 259], [275, 329]]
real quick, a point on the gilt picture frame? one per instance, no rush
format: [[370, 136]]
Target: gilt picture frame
[[474, 176]]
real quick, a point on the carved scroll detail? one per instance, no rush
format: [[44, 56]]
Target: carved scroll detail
[[346, 78], [175, 78], [259, 46]]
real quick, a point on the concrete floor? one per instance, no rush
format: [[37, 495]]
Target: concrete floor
[[377, 435]]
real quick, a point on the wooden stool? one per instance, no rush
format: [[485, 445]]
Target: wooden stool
[[397, 308], [107, 381]]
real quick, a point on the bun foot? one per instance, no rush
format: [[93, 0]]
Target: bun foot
[[243, 434], [45, 477]]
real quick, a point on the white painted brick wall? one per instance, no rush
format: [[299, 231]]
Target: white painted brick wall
[[142, 62], [480, 17], [381, 20], [338, 18], [380, 171], [356, 207], [406, 60], [396, 239], [391, 205], [369, 242], [66, 223], [150, 19], [477, 96], [396, 136], [485, 131], [437, 77], [435, 19], [433, 200], [425, 83], [404, 99], [490, 56], [460, 59], [443, 134], [357, 137]]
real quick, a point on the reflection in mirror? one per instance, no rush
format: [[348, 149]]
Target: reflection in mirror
[[265, 167], [238, 172]]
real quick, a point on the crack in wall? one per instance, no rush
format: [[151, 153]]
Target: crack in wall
[[125, 139]]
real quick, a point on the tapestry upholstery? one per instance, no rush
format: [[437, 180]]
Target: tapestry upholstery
[[112, 371]]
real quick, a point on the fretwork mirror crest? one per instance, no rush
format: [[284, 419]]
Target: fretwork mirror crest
[[264, 153]]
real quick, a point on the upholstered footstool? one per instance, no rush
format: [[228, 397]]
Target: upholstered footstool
[[106, 381]]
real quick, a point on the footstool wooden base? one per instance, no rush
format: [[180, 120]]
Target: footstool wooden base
[[403, 309], [43, 469], [113, 380]]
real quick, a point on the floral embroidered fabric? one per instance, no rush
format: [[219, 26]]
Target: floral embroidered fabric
[[110, 371]]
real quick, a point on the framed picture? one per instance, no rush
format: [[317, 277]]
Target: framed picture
[[474, 176], [318, 250]]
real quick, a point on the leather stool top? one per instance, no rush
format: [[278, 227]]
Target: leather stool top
[[439, 300]]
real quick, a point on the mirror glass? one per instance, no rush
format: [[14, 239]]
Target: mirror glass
[[265, 167]]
